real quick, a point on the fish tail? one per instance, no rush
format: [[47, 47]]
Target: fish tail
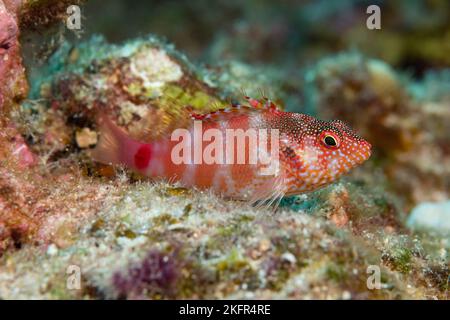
[[112, 141]]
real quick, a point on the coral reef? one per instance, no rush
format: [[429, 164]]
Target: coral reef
[[20, 210], [414, 33], [13, 85], [431, 217], [409, 133], [25, 13]]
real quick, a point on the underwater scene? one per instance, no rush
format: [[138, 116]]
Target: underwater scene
[[257, 150]]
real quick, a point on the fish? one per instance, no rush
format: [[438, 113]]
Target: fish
[[279, 153]]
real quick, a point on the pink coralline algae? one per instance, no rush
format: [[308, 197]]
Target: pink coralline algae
[[22, 153]]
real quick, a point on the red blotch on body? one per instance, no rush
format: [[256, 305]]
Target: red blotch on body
[[143, 156]]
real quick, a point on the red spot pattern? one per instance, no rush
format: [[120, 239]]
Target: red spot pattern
[[142, 156]]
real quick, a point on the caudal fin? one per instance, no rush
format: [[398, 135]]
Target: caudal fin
[[111, 143]]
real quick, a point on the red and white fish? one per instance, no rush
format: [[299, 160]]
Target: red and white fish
[[311, 153]]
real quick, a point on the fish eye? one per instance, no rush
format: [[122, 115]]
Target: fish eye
[[330, 140]]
